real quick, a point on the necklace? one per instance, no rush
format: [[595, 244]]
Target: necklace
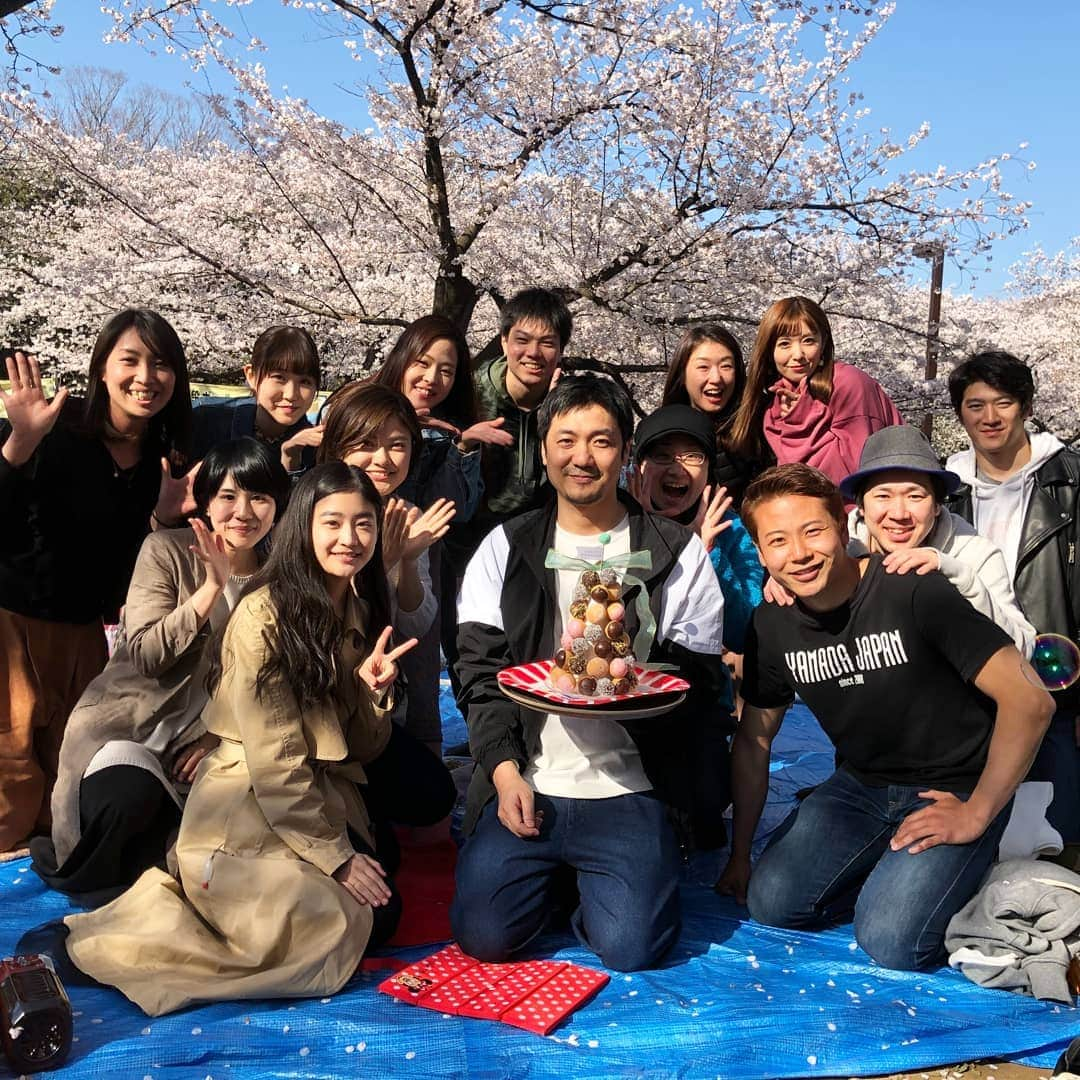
[[119, 436]]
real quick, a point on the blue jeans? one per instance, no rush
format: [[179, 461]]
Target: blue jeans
[[836, 845], [626, 860]]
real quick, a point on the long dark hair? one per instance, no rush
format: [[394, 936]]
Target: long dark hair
[[170, 429], [308, 633], [253, 465], [786, 316], [675, 392], [460, 407]]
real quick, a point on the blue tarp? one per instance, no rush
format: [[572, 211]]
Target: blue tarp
[[735, 1000]]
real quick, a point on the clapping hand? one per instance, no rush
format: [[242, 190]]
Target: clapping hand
[[30, 415], [209, 548], [378, 671], [408, 533]]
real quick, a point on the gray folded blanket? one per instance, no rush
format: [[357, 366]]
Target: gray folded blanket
[[1019, 930]]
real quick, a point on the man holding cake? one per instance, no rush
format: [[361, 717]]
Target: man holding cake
[[556, 798]]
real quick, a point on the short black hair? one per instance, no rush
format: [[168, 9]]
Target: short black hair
[[1001, 370], [574, 392], [537, 305], [254, 466]]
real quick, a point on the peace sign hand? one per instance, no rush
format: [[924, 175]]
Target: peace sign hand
[[30, 415], [789, 398], [378, 671]]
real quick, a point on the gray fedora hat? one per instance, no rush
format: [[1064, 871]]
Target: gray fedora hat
[[900, 447]]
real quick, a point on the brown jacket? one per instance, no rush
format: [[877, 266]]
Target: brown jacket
[[256, 912], [151, 678]]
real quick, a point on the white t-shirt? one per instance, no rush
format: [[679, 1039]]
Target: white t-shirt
[[592, 758]]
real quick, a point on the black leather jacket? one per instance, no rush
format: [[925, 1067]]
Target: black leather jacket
[[1047, 577]]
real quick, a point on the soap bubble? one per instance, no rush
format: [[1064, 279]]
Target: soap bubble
[[1056, 661]]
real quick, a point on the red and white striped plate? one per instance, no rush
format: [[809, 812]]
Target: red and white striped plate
[[532, 679]]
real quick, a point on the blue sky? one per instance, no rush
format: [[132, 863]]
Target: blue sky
[[986, 74]]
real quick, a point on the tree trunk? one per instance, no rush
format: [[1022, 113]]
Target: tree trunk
[[455, 297]]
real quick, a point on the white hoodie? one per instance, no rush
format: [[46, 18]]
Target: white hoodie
[[999, 509]]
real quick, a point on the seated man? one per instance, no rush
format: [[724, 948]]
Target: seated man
[[934, 714], [553, 795]]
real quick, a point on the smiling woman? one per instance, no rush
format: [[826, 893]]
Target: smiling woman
[[708, 374], [284, 377], [800, 404], [136, 736], [289, 802], [376, 429], [78, 488]]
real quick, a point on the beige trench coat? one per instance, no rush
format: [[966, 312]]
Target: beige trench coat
[[256, 912], [149, 680]]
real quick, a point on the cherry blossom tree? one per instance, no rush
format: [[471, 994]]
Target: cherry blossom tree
[[1038, 321], [657, 163]]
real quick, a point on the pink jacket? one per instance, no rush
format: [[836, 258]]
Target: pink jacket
[[830, 436]]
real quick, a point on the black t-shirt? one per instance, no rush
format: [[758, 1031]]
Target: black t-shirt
[[888, 675]]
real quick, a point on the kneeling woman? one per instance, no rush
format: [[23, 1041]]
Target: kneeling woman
[[135, 738], [279, 889]]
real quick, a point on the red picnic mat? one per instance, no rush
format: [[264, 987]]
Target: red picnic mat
[[425, 880], [532, 994]]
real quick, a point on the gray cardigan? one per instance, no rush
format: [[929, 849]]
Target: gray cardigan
[[1017, 932], [150, 678]]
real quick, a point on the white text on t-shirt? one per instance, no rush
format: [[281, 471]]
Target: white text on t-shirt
[[872, 652]]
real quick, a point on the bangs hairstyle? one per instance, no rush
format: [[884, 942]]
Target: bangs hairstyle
[[540, 306], [254, 466], [675, 392], [789, 317], [460, 406], [1000, 370], [356, 411], [172, 426], [934, 484], [307, 633], [574, 392], [290, 349], [795, 479]]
